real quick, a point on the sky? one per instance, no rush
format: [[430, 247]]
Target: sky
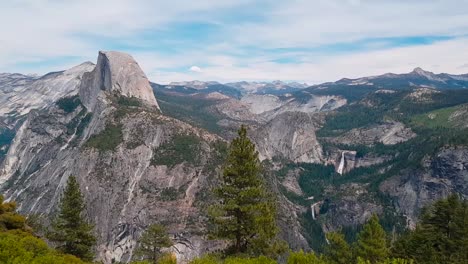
[[310, 41]]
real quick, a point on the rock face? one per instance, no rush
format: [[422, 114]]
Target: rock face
[[19, 94], [289, 136], [127, 186], [445, 173], [346, 162], [116, 72], [352, 208], [388, 133]]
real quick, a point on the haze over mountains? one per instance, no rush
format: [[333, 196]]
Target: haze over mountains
[[334, 153]]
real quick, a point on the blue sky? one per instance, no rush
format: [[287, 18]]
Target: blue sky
[[229, 40]]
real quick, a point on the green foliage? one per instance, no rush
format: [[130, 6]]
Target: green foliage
[[386, 261], [152, 241], [191, 109], [372, 241], [70, 231], [258, 260], [435, 119], [79, 123], [245, 214], [209, 259], [168, 258], [108, 139], [125, 105], [128, 101], [379, 106], [6, 137], [69, 104], [181, 148], [169, 194], [338, 250], [206, 259], [18, 247], [313, 178], [313, 231], [9, 219], [305, 258], [441, 236]]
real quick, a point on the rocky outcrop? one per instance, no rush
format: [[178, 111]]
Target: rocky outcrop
[[115, 72], [388, 133], [445, 173], [113, 150], [352, 208], [289, 136], [20, 94]]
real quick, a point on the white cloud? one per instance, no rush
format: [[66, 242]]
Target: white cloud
[[307, 23], [445, 56], [195, 69], [45, 31]]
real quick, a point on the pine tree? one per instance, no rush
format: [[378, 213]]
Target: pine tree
[[152, 241], [246, 212], [70, 231], [441, 236], [338, 250], [372, 243]]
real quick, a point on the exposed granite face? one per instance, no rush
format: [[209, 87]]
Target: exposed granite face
[[353, 208], [388, 133], [124, 189], [20, 94], [445, 173], [116, 72], [290, 136]]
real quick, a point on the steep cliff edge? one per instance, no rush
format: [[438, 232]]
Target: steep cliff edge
[[115, 72]]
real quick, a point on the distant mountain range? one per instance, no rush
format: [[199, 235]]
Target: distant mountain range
[[416, 78]]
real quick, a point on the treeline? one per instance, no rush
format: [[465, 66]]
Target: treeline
[[244, 217]]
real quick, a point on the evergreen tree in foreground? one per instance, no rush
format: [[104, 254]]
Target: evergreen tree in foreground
[[372, 241], [441, 236], [70, 230], [151, 242], [246, 212], [338, 250]]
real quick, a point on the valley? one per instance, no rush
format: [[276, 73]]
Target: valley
[[333, 154]]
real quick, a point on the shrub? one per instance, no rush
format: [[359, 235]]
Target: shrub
[[177, 150], [69, 104], [108, 139]]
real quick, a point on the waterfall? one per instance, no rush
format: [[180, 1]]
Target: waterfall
[[342, 164], [312, 209]]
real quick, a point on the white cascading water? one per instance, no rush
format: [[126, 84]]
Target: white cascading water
[[342, 164]]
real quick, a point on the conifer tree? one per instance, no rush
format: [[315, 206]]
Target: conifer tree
[[372, 242], [246, 212], [152, 241], [70, 231], [338, 250], [441, 236]]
